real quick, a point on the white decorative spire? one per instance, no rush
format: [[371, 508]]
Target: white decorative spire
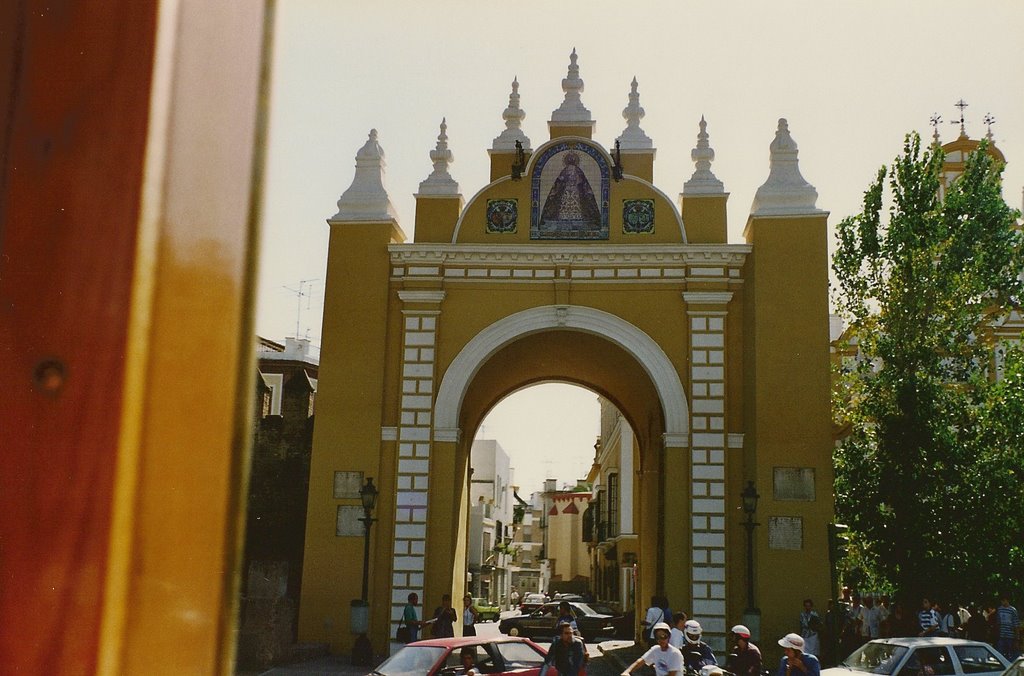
[[572, 108], [703, 182], [514, 117], [633, 137], [785, 192], [366, 199], [440, 182]]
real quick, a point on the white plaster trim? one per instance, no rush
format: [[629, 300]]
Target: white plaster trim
[[450, 434], [707, 297], [675, 440], [727, 255], [734, 440], [475, 353], [389, 434], [421, 296]]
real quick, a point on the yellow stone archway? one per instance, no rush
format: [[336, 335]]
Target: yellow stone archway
[[717, 353]]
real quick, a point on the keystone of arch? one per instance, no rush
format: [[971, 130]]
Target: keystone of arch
[[645, 350]]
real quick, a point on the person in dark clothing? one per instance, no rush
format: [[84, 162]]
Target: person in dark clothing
[[566, 652], [444, 619], [976, 628], [745, 658]]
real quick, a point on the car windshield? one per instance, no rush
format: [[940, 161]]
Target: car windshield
[[412, 660], [876, 658]]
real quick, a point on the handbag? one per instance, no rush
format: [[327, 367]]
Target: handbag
[[403, 635]]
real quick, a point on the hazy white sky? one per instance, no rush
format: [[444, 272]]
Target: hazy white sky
[[851, 77]]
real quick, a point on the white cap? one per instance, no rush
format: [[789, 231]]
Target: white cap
[[794, 641]]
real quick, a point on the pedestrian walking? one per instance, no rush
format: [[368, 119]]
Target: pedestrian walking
[[444, 619], [810, 626], [410, 618]]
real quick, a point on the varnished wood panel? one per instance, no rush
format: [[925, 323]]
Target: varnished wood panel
[[78, 77]]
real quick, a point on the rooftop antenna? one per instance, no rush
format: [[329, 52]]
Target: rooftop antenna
[[935, 121], [961, 104], [989, 120], [305, 290]]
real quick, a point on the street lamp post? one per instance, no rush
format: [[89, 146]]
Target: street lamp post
[[752, 615], [368, 494], [362, 651]]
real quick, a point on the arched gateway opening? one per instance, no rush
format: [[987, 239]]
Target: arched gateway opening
[[570, 265], [605, 354]]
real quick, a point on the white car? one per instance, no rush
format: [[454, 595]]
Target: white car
[[922, 656], [1015, 669]]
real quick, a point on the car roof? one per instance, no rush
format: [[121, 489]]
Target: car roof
[[460, 641], [914, 641]]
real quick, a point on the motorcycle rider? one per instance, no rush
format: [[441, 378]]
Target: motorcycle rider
[[696, 653], [745, 658], [663, 657]]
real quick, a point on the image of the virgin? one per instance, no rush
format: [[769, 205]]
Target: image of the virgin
[[571, 199]]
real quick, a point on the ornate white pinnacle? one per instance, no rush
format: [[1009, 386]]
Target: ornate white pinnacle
[[366, 199], [633, 137], [785, 192], [572, 108], [513, 116], [440, 182], [703, 182]]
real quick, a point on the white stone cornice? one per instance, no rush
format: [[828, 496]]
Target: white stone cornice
[[734, 440], [389, 434], [421, 296], [448, 434], [707, 297], [540, 254], [675, 440]]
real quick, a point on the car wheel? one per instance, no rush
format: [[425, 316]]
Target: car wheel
[[513, 631]]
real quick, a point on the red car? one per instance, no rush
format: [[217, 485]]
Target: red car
[[440, 657]]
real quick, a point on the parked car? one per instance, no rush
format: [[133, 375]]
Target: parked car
[[540, 623], [532, 602], [440, 657], [922, 656], [486, 611]]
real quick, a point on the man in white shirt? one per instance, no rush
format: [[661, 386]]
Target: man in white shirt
[[872, 619], [666, 659]]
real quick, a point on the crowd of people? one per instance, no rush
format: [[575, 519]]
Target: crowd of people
[[858, 619], [675, 644]]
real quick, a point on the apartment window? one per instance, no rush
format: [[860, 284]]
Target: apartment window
[[613, 505]]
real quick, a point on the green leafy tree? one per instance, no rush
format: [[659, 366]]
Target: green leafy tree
[[929, 476]]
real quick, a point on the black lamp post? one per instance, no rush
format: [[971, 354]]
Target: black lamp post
[[362, 651], [368, 494], [750, 497]]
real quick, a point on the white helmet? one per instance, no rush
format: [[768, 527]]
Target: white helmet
[[661, 626], [741, 631], [692, 631]]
